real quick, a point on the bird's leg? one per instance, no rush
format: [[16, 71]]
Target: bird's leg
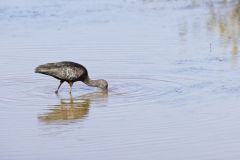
[[70, 84], [61, 82]]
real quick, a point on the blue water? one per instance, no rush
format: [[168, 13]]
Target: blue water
[[172, 68]]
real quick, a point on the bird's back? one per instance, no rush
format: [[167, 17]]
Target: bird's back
[[67, 71]]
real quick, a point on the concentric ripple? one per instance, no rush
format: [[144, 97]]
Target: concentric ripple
[[142, 89], [123, 90]]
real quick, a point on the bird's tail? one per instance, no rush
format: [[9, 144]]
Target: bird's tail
[[45, 68]]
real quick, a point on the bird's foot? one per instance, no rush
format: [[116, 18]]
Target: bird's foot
[[56, 92]]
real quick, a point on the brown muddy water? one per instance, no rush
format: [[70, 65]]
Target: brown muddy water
[[172, 68]]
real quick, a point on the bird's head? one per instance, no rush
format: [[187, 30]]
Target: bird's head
[[103, 84]]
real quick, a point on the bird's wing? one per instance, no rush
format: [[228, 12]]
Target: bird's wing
[[62, 70]]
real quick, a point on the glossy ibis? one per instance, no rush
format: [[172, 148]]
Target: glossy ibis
[[70, 72]]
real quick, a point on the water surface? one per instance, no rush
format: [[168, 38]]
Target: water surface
[[172, 68]]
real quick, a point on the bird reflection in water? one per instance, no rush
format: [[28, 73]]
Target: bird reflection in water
[[74, 108]]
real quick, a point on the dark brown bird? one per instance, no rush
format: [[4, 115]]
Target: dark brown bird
[[70, 72]]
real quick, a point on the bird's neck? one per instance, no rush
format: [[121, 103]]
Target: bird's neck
[[92, 83]]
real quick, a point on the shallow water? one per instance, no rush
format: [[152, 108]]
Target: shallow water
[[172, 69]]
